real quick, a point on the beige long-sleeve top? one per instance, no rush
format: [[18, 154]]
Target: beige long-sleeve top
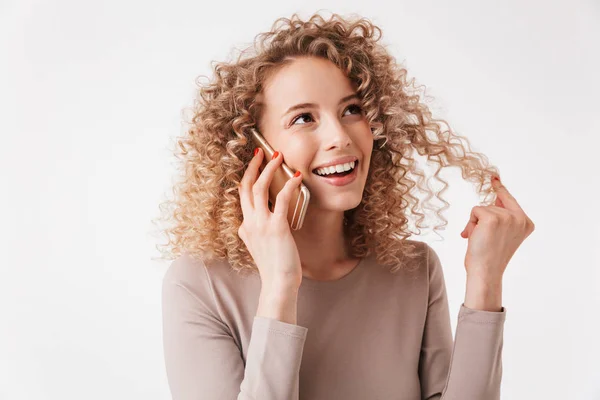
[[369, 335]]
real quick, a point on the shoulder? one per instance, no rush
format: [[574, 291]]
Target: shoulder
[[190, 274], [425, 255], [421, 261], [416, 256], [202, 276], [186, 270], [433, 270]]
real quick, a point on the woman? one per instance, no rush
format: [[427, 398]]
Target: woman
[[347, 307]]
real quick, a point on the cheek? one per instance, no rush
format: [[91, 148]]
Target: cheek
[[298, 155], [366, 147], [366, 142]]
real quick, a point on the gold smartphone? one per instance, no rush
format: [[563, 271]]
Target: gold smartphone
[[300, 196]]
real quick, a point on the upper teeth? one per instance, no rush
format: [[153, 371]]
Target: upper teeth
[[336, 168]]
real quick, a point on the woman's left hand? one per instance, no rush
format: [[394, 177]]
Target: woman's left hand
[[495, 232]]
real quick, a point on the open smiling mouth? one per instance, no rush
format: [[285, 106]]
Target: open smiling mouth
[[340, 178]]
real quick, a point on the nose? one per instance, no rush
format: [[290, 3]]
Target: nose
[[335, 134]]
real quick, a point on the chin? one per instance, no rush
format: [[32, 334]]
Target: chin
[[343, 202]]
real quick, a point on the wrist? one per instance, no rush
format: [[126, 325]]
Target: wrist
[[279, 288], [485, 279], [278, 304], [483, 294]]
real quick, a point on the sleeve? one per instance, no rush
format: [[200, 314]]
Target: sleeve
[[471, 367], [202, 359]]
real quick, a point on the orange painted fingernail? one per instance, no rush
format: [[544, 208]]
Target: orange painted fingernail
[[256, 151], [297, 174], [275, 155]]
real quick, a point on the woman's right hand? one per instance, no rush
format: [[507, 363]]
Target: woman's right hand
[[267, 234]]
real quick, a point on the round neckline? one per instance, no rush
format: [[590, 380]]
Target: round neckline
[[337, 283]]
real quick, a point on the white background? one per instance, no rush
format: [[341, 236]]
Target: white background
[[91, 96]]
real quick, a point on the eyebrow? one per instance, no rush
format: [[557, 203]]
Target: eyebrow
[[309, 105]]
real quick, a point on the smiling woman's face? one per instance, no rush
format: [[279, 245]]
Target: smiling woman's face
[[313, 135]]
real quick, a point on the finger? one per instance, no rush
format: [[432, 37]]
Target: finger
[[261, 187], [245, 190], [282, 202], [508, 201], [468, 229], [473, 219], [498, 202]]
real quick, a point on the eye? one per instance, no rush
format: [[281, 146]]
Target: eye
[[299, 116], [355, 106]]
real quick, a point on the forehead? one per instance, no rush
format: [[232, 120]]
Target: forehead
[[305, 80]]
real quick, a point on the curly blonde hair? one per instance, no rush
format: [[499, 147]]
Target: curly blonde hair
[[205, 213]]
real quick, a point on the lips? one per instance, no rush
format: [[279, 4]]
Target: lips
[[340, 180], [339, 160], [325, 176]]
